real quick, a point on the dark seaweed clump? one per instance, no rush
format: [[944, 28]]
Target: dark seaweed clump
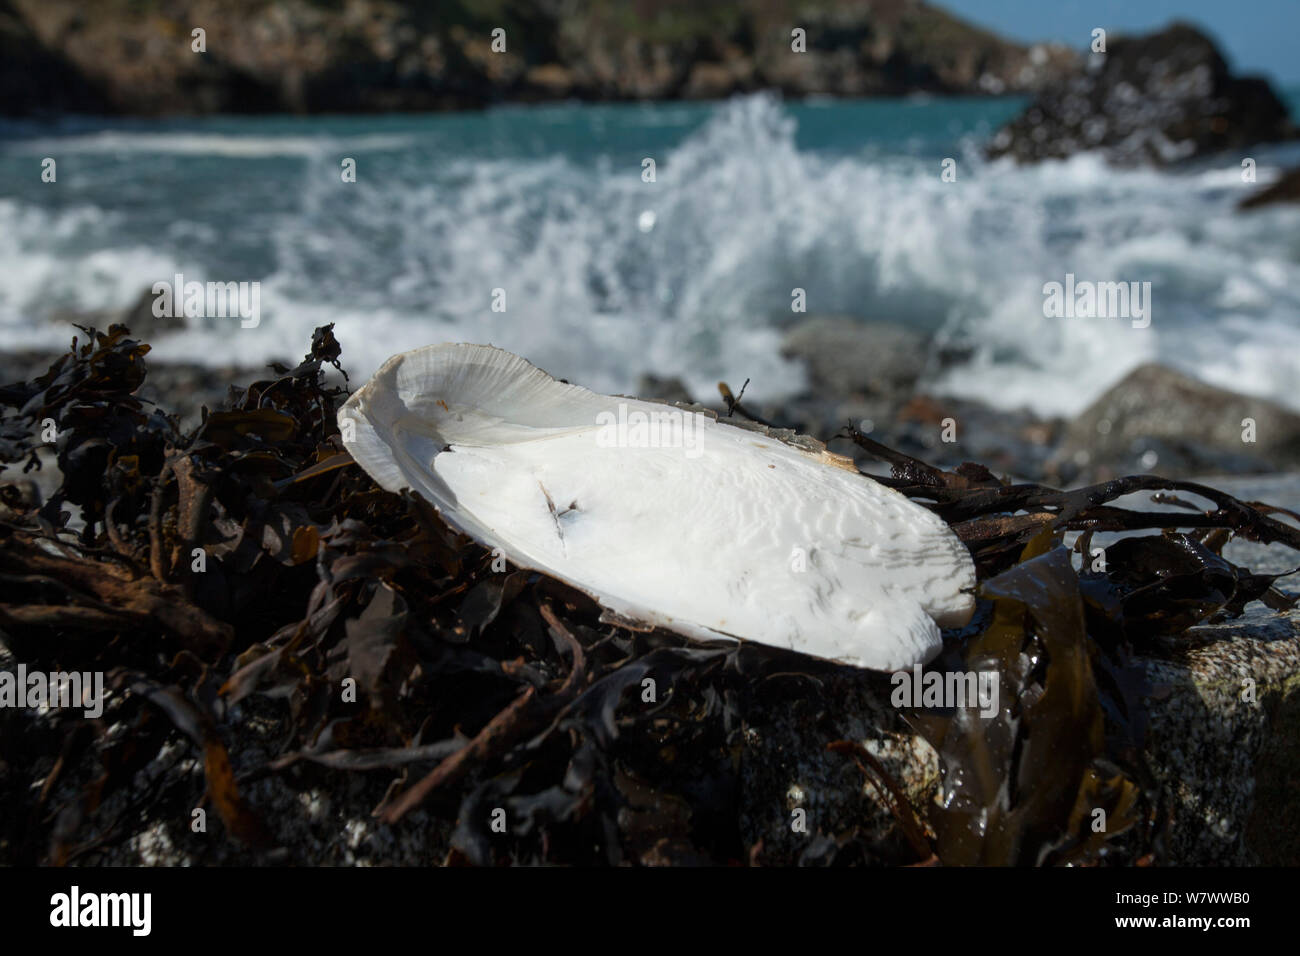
[[246, 574]]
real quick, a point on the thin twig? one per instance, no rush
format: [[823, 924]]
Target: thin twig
[[733, 405]]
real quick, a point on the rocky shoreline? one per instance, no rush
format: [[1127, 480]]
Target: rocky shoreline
[[874, 375], [298, 56], [1155, 419], [1160, 98], [225, 677]]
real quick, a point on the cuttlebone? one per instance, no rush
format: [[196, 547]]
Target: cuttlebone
[[670, 519]]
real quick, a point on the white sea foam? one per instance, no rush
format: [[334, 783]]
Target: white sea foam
[[607, 276], [206, 144]]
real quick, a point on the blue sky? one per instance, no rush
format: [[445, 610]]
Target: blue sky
[[1256, 36]]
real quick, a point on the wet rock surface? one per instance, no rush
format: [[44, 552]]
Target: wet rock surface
[[1158, 98], [786, 768]]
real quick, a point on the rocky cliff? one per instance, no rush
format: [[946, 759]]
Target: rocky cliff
[[138, 56]]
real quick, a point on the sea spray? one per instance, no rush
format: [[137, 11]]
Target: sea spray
[[752, 198]]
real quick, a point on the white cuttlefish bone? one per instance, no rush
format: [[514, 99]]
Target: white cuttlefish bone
[[664, 515]]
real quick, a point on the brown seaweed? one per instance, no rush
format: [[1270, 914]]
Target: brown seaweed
[[381, 643]]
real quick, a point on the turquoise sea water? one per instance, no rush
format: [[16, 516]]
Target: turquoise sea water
[[607, 276]]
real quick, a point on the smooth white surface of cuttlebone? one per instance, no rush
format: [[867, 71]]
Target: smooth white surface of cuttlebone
[[664, 515]]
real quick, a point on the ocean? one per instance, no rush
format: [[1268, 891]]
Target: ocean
[[605, 277]]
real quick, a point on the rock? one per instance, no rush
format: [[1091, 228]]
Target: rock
[[19, 496], [948, 431], [186, 389], [1224, 737], [1158, 98], [1286, 189], [138, 317], [1159, 420], [670, 389], [874, 375], [35, 79], [386, 55], [784, 767], [897, 48], [1226, 760], [142, 322], [24, 492], [21, 366], [847, 357], [941, 430], [1225, 763]]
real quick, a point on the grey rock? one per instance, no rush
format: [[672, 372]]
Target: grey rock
[[848, 357], [138, 317], [1160, 420], [873, 375], [1224, 738]]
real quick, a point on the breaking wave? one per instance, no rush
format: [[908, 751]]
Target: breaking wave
[[606, 276]]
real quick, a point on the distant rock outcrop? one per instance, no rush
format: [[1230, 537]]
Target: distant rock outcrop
[[382, 55], [1158, 98]]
